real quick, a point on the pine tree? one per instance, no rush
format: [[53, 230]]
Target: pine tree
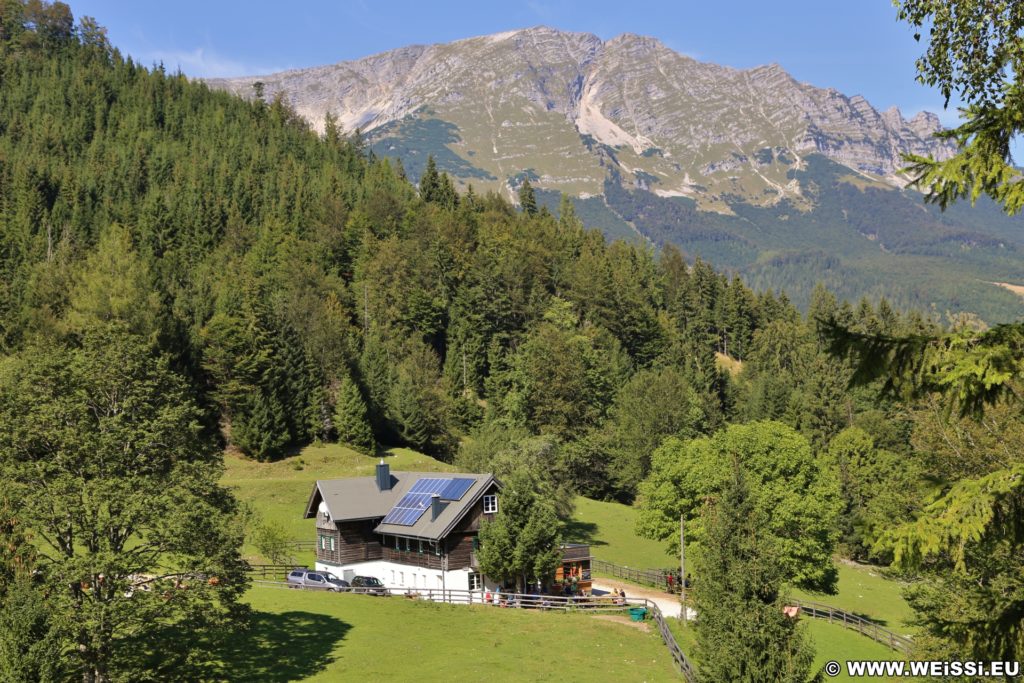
[[430, 182], [527, 198], [260, 430], [742, 633], [446, 193], [350, 420]]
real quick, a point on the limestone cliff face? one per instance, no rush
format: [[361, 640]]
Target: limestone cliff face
[[569, 107]]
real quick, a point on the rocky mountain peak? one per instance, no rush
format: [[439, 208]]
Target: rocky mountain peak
[[572, 108]]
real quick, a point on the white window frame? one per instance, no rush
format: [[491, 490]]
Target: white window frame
[[476, 581], [332, 544], [490, 504]]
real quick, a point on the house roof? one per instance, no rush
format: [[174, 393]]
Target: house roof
[[359, 498]]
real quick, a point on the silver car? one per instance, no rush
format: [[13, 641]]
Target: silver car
[[316, 580]]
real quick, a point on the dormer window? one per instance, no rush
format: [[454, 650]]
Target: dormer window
[[490, 504]]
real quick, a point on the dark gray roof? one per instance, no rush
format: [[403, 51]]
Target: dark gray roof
[[359, 498]]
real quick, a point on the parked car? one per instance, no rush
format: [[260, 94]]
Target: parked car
[[369, 585], [316, 580]]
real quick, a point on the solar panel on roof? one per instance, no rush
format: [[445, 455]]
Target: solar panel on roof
[[408, 510], [429, 485], [456, 488]]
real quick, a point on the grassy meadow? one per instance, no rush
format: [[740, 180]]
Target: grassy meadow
[[306, 636]]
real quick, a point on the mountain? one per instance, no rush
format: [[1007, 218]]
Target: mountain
[[783, 181]]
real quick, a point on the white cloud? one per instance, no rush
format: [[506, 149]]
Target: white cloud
[[205, 63]]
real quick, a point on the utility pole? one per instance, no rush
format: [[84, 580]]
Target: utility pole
[[682, 565]]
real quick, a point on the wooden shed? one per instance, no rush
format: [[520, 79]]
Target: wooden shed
[[573, 576]]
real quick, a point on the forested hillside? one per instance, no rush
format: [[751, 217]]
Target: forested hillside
[[282, 270], [267, 286]]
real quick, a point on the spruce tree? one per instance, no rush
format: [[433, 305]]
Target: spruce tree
[[742, 633], [350, 419], [527, 198], [430, 182]]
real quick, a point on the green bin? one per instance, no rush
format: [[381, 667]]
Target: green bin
[[637, 613]]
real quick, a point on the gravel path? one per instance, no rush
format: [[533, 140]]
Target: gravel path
[[669, 604]]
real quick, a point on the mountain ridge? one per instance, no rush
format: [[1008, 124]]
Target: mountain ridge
[[697, 122], [783, 182]]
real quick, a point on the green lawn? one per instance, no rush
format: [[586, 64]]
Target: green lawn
[[608, 527], [318, 637], [279, 490]]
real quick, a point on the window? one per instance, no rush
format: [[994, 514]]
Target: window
[[323, 543], [332, 543], [490, 505], [401, 578], [437, 548], [397, 541], [421, 546], [475, 583], [392, 577]]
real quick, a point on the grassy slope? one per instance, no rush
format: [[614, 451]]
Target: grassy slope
[[608, 527], [316, 637], [830, 641], [864, 591]]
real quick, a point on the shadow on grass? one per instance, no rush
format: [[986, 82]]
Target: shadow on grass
[[282, 647], [577, 531]]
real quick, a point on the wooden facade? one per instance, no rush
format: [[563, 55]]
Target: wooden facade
[[355, 541], [572, 577]]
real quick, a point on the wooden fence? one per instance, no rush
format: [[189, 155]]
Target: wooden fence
[[871, 629], [594, 604], [646, 577], [271, 572]]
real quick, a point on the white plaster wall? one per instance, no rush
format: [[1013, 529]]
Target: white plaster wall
[[404, 576]]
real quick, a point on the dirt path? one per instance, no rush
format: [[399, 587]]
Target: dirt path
[[669, 604]]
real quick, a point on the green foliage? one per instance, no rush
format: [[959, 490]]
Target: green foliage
[[879, 489], [742, 632], [653, 405], [271, 539], [527, 198], [521, 543], [350, 420], [973, 369], [974, 49], [106, 434], [797, 501], [503, 451], [29, 641]]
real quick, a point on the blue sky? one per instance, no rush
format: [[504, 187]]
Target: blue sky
[[855, 46]]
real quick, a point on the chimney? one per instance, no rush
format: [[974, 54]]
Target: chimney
[[383, 476], [435, 506]]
